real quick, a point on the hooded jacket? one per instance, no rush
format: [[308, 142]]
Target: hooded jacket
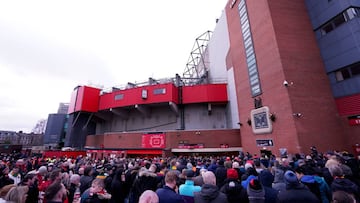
[[234, 191], [210, 194], [345, 185], [297, 193]]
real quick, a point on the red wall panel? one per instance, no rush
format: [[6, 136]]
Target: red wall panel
[[348, 106], [205, 93], [133, 96], [87, 99]]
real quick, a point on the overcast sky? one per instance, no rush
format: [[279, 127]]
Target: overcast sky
[[49, 47]]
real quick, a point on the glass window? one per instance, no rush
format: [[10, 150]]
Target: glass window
[[248, 42], [355, 69], [338, 20], [159, 91], [339, 76], [326, 28], [119, 96], [345, 73], [246, 33], [245, 25]]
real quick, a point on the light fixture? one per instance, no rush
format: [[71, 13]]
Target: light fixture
[[297, 115], [287, 84], [249, 121], [272, 117]]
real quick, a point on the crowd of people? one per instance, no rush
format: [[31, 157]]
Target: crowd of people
[[329, 177]]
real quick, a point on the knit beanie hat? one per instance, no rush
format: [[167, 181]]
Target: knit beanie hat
[[279, 176], [290, 178], [232, 173], [256, 192], [248, 165]]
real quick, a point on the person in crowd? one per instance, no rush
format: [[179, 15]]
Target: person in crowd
[[168, 193], [86, 179], [145, 180], [198, 180], [342, 197], [279, 182], [233, 189], [41, 173], [55, 193], [258, 166], [316, 184], [220, 173], [17, 194], [209, 191], [33, 193], [96, 193], [255, 191], [110, 171], [295, 191], [4, 177], [250, 174], [188, 188], [15, 175], [55, 176], [51, 167], [148, 196], [236, 166], [81, 171], [340, 183], [266, 179], [74, 185], [4, 190], [228, 163], [117, 188]]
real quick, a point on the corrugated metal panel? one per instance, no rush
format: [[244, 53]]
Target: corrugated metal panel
[[348, 106]]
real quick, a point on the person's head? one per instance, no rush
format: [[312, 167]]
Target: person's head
[[55, 175], [97, 185], [232, 174], [29, 179], [81, 171], [235, 164], [17, 194], [189, 173], [56, 192], [42, 170], [88, 171], [15, 170], [209, 178], [336, 171], [148, 196], [4, 190], [171, 178], [291, 178], [342, 197], [75, 179], [153, 168]]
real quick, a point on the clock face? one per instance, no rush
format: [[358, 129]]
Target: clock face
[[260, 119]]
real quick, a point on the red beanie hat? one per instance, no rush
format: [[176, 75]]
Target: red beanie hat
[[232, 173]]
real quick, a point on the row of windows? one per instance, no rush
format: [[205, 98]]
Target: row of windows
[[249, 50], [338, 20], [348, 72], [155, 92]]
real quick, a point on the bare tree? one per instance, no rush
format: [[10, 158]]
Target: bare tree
[[40, 127]]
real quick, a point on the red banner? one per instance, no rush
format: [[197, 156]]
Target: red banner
[[153, 141]]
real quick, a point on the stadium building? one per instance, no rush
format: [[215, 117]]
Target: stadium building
[[274, 76]]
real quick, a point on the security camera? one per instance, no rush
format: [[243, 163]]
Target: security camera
[[285, 83], [297, 115]]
